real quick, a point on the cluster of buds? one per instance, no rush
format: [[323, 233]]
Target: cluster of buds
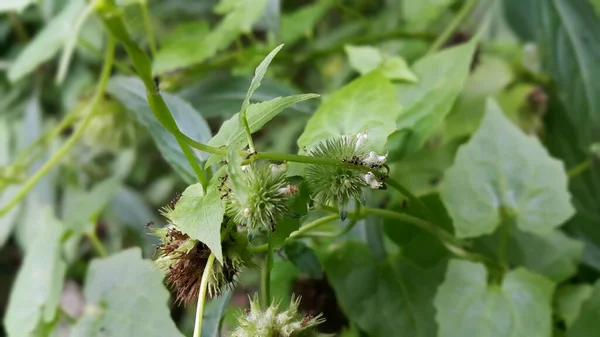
[[184, 259], [272, 321], [358, 169], [266, 193]]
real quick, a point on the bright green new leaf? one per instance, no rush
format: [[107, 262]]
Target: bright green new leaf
[[232, 134], [396, 68], [35, 294], [199, 215], [125, 296], [368, 103], [587, 323], [259, 73], [14, 5], [47, 42], [468, 306], [385, 298], [501, 170], [572, 60], [570, 299], [363, 58], [85, 207], [132, 93], [427, 102]]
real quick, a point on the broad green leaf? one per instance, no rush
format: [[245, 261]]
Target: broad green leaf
[[259, 73], [284, 228], [181, 46], [125, 296], [468, 306], [501, 170], [131, 93], [304, 258], [232, 134], [35, 294], [301, 22], [71, 42], [587, 324], [596, 4], [385, 298], [570, 299], [47, 42], [367, 103], [213, 314], [236, 174], [85, 207], [283, 274], [14, 5], [220, 94], [427, 102], [199, 215], [237, 21], [363, 58], [553, 255], [569, 43], [7, 193], [421, 13], [396, 68]]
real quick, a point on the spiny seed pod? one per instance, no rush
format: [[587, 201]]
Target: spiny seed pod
[[274, 322], [358, 169], [184, 260], [266, 192]]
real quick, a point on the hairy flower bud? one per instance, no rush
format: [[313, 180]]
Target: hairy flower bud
[[275, 322], [266, 194]]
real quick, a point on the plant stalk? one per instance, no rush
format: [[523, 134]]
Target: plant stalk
[[265, 280], [202, 296], [453, 26]]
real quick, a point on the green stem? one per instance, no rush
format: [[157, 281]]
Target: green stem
[[265, 280], [504, 232], [111, 17], [411, 197], [89, 113], [580, 168], [148, 27], [453, 26], [202, 295], [248, 131], [98, 246]]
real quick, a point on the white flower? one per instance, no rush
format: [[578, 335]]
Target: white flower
[[276, 169], [372, 180], [375, 159], [288, 190], [247, 212], [361, 138]]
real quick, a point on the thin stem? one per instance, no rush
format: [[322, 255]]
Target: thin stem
[[297, 158], [98, 246], [453, 26], [202, 295], [312, 225], [265, 280], [411, 197], [579, 168], [148, 27], [504, 232], [248, 132], [89, 112]]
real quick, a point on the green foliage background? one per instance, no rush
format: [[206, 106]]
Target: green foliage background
[[488, 109]]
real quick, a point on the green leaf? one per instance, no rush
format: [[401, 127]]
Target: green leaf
[[131, 92], [596, 4], [553, 255], [501, 170], [7, 193], [304, 258], [421, 13], [367, 103], [232, 134], [236, 174], [467, 306], [301, 22], [220, 94], [14, 5], [213, 315], [570, 299], [125, 296], [396, 68], [427, 102], [47, 42], [284, 228], [85, 207], [35, 295], [572, 60], [199, 215], [363, 58], [239, 20], [385, 298], [587, 323]]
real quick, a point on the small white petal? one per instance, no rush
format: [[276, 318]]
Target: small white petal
[[372, 180], [276, 169], [247, 212], [361, 138], [374, 159]]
